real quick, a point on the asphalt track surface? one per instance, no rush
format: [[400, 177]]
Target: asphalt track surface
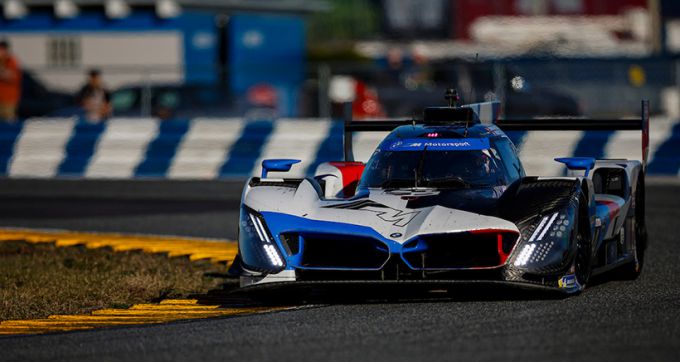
[[612, 320]]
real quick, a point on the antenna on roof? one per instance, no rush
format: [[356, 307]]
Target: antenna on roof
[[451, 97], [470, 86]]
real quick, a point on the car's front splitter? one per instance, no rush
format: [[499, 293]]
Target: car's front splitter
[[282, 283]]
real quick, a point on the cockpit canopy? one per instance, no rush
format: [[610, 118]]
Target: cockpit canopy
[[439, 158]]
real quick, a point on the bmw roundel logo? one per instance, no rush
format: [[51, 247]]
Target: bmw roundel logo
[[396, 235]]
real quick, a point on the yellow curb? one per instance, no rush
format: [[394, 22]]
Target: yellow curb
[[105, 318], [179, 301], [179, 307], [215, 250], [167, 310], [146, 313]]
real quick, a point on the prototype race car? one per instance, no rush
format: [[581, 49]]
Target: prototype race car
[[443, 200]]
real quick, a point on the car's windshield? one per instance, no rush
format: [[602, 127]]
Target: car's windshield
[[433, 168]]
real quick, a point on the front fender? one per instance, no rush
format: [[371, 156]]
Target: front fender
[[546, 211]]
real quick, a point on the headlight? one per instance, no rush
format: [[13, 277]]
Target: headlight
[[544, 240], [258, 249]]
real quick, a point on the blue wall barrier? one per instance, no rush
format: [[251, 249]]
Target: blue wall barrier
[[234, 148]]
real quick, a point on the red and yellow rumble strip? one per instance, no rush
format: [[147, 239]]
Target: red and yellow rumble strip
[[166, 311], [213, 249]]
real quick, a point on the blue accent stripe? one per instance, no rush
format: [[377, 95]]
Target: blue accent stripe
[[437, 144], [9, 133], [247, 149], [162, 149], [80, 148], [330, 149], [279, 223], [666, 159]]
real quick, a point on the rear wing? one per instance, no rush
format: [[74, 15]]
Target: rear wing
[[487, 113]]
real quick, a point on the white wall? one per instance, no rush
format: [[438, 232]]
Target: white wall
[[124, 57]]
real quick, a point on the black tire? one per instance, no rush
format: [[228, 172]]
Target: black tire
[[583, 259], [633, 269]]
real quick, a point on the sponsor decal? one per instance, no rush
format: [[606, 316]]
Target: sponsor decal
[[396, 217], [568, 282], [441, 144], [396, 235]]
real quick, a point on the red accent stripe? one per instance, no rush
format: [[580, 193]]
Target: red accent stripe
[[351, 174], [645, 133], [503, 256], [613, 207]]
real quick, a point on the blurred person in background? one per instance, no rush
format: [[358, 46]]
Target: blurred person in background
[[418, 75], [395, 66], [94, 98], [10, 83]]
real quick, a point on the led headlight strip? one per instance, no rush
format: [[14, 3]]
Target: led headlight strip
[[547, 227], [537, 235], [543, 227], [524, 255], [258, 227], [273, 256]]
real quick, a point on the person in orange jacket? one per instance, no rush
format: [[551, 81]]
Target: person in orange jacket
[[10, 83]]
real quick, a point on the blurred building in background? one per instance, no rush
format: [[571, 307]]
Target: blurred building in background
[[239, 44], [264, 58], [537, 56]]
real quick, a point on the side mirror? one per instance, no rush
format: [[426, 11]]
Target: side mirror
[[277, 165], [578, 163]]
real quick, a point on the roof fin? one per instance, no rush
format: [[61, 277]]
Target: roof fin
[[452, 97]]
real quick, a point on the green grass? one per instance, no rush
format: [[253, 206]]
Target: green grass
[[37, 280]]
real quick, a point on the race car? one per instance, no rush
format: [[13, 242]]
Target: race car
[[445, 200]]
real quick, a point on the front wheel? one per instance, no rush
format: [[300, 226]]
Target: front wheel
[[579, 273], [582, 261]]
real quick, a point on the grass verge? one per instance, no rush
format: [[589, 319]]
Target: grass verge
[[38, 280]]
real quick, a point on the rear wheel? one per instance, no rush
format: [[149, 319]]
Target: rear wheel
[[636, 229]]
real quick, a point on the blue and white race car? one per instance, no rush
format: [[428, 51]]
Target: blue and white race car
[[446, 200]]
